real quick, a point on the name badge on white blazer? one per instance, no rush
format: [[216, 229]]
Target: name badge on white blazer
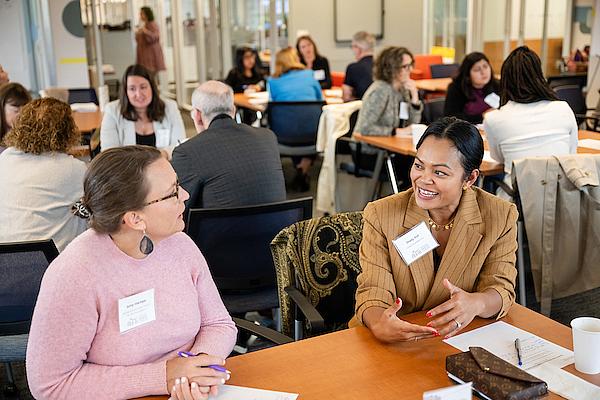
[[163, 137], [136, 310], [415, 243]]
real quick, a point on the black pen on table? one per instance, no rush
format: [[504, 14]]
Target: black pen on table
[[518, 347]]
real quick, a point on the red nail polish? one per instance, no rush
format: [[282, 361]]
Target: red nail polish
[[397, 300], [428, 314]]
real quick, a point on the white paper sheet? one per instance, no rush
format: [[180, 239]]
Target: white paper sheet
[[264, 96], [230, 392], [459, 392], [589, 143], [499, 338], [565, 384]]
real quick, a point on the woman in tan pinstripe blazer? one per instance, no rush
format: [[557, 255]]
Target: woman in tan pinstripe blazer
[[472, 273]]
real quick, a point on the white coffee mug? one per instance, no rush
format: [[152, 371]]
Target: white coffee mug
[[417, 131], [586, 344]]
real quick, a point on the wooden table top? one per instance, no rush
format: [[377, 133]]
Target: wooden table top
[[352, 364], [433, 85], [87, 122], [331, 96], [401, 144]]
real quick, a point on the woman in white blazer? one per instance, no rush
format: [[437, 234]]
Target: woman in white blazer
[[140, 116]]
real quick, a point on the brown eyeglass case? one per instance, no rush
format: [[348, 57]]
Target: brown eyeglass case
[[493, 377]]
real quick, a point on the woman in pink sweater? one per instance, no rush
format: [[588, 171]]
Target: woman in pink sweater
[[127, 295]]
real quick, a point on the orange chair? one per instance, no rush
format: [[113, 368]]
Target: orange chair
[[422, 63], [337, 78]]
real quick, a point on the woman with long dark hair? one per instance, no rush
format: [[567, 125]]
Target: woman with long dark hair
[[140, 115], [531, 121], [13, 97], [310, 56], [473, 91], [247, 73]]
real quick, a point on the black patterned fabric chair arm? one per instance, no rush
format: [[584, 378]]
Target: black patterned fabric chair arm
[[264, 332], [314, 321]]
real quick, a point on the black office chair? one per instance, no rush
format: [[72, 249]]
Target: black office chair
[[295, 123], [83, 95], [235, 243], [443, 70], [573, 95], [22, 266], [433, 109]]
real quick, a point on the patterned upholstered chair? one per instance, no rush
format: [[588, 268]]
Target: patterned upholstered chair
[[316, 262]]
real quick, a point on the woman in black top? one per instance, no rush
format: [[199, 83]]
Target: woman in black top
[[247, 73], [474, 90], [309, 56]]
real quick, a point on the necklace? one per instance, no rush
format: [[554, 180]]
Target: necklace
[[437, 227]]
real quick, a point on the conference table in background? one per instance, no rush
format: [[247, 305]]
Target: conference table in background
[[87, 123], [433, 85], [403, 144], [258, 101], [352, 364]]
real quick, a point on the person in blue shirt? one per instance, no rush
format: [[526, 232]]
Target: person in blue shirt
[[292, 81]]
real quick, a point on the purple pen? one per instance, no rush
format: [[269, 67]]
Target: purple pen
[[187, 354]]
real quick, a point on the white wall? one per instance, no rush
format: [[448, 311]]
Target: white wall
[[14, 52], [402, 27], [493, 19], [69, 50]]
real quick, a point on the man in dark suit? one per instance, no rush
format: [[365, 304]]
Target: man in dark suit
[[227, 164]]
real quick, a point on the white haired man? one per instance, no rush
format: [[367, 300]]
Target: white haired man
[[227, 164], [359, 74]]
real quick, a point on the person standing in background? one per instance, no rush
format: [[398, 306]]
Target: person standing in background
[[149, 53]]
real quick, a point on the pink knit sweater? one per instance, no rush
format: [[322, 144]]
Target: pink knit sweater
[[75, 349]]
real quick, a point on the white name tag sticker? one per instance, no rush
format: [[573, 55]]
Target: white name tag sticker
[[163, 137], [319, 74], [136, 310], [415, 243], [460, 392], [403, 110], [492, 100]]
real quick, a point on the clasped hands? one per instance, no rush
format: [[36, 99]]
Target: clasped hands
[[447, 319], [192, 379]]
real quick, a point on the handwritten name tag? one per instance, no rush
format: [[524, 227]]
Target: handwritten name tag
[[460, 392], [415, 243], [319, 74], [136, 310]]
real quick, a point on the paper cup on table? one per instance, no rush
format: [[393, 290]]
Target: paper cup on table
[[586, 344], [417, 131]]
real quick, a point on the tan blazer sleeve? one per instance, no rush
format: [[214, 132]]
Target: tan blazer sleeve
[[498, 271], [376, 286]]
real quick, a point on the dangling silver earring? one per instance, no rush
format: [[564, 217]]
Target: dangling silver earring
[[146, 245]]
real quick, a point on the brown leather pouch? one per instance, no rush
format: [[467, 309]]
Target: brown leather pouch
[[493, 377]]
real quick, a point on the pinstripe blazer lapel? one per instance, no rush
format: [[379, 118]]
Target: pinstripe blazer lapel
[[421, 269], [462, 243]]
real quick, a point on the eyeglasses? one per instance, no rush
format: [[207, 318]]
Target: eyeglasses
[[170, 196], [408, 67]]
